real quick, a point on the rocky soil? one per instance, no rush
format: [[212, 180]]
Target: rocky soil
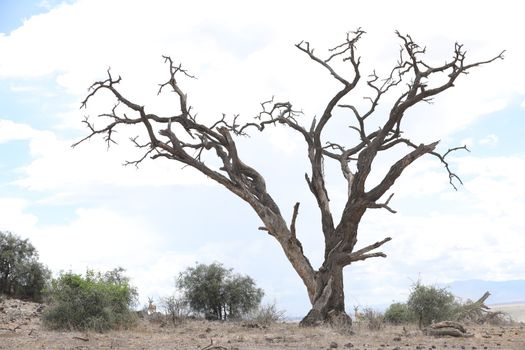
[[20, 328]]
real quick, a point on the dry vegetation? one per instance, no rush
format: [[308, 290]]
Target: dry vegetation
[[20, 328]]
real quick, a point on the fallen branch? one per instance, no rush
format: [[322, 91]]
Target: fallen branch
[[448, 328], [452, 332], [449, 324], [11, 329], [81, 338], [213, 347]]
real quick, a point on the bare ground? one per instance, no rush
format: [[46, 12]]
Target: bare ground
[[20, 328]]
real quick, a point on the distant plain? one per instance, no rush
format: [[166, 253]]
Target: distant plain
[[515, 310]]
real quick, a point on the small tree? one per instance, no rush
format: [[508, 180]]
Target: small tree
[[218, 293], [241, 295], [97, 301], [21, 274], [431, 303]]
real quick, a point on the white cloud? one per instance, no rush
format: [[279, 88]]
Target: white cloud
[[235, 82], [10, 131], [13, 216], [22, 88], [489, 140], [113, 238], [59, 167], [469, 141]]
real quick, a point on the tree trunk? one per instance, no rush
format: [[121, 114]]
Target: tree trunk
[[329, 300]]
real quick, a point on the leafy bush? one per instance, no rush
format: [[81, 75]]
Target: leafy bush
[[21, 275], [217, 292], [97, 301], [398, 313], [431, 303]]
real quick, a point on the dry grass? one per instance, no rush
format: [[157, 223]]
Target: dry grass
[[25, 332]]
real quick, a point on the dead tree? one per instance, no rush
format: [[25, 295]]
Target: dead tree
[[182, 138]]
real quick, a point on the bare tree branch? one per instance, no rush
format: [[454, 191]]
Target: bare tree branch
[[383, 205], [294, 218], [362, 254]]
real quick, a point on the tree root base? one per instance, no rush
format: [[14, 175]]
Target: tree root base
[[333, 318]]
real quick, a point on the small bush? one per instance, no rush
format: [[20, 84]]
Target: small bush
[[267, 314], [175, 308], [96, 302], [399, 313], [374, 319], [431, 303]]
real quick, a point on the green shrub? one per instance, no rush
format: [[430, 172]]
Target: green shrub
[[431, 303], [398, 313], [96, 302], [217, 293], [21, 275]]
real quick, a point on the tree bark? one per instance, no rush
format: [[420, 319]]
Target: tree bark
[[329, 301]]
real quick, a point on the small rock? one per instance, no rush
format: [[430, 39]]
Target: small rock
[[397, 339], [333, 345], [348, 345]]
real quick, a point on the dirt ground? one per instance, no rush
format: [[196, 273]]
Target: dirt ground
[[20, 329]]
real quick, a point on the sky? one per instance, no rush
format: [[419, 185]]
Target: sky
[[82, 209]]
